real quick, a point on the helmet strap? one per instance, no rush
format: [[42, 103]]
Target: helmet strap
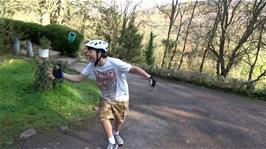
[[98, 58]]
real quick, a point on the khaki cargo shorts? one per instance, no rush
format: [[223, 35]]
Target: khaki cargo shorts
[[110, 110]]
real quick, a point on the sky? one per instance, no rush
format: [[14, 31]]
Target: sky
[[147, 3]]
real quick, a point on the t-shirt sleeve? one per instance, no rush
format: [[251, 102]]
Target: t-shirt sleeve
[[122, 66], [87, 70]]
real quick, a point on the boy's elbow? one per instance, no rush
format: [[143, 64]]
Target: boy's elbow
[[81, 78], [133, 69]]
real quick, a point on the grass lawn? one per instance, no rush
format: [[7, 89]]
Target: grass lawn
[[21, 107]]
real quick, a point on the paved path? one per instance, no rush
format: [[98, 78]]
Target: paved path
[[173, 116]]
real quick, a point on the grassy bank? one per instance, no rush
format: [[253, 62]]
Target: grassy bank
[[21, 107]]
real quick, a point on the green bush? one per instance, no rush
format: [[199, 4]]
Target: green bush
[[32, 31], [230, 85], [261, 94], [42, 80], [27, 30], [45, 43], [58, 35], [1, 37]]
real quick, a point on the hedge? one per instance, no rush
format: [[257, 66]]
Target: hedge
[[230, 85], [57, 34]]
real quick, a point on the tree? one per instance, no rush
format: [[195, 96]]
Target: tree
[[186, 36], [130, 42], [178, 34], [258, 7], [172, 18], [253, 56], [208, 40], [8, 7], [121, 31], [150, 50], [109, 26], [226, 19]]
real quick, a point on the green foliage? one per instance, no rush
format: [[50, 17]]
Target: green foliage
[[42, 80], [1, 37], [109, 27], [206, 80], [120, 32], [2, 47], [57, 34], [21, 107], [130, 42], [6, 37], [24, 30], [45, 43], [169, 45], [150, 51]]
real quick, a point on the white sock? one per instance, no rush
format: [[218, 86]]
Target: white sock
[[116, 132], [111, 140]]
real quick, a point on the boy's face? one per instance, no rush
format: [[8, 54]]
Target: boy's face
[[91, 54]]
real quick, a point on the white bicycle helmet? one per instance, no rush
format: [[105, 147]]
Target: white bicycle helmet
[[98, 45]]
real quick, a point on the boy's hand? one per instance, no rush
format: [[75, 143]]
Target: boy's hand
[[152, 82], [50, 73], [57, 72]]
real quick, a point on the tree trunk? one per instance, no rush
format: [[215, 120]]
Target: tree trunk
[[252, 66], [203, 60], [176, 40], [252, 25], [166, 46], [210, 40], [46, 18], [187, 33], [218, 69], [172, 18]]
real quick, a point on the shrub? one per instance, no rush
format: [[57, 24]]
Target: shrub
[[206, 80], [45, 43], [6, 37], [25, 30], [42, 80], [58, 35]]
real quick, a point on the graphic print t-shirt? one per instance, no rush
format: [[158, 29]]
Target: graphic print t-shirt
[[111, 78]]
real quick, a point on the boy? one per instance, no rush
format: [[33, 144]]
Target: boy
[[109, 74]]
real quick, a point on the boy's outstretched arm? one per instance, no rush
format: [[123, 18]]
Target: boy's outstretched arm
[[58, 73], [74, 78], [139, 71]]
